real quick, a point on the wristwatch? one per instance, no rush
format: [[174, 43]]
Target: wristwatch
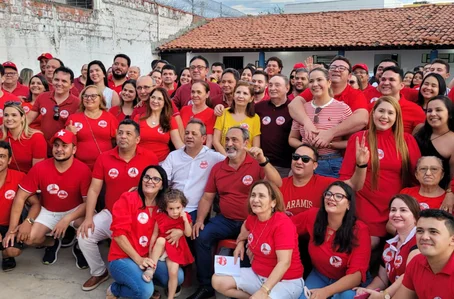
[[264, 163], [386, 294], [30, 220]]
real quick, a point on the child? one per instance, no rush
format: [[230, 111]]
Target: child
[[171, 215]]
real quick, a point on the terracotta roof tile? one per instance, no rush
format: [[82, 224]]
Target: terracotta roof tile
[[428, 25]]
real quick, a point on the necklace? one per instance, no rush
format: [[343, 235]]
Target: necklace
[[440, 135], [261, 233]]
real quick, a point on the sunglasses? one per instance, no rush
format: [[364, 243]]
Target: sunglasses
[[56, 112], [12, 103], [305, 158], [317, 112]]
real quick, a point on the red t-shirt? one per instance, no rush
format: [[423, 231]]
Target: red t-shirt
[[334, 264], [112, 85], [183, 94], [118, 113], [300, 199], [20, 90], [7, 193], [170, 91], [372, 94], [104, 129], [424, 201], [6, 97], [451, 94], [395, 259], [130, 220], [420, 278], [277, 233], [372, 205], [118, 175], [60, 191], [233, 186], [36, 124], [45, 104], [155, 138], [206, 116], [25, 150], [354, 98]]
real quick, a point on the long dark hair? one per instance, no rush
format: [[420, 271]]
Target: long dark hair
[[178, 81], [441, 87], [103, 69], [165, 185], [43, 81], [167, 111], [345, 238], [133, 83], [412, 80]]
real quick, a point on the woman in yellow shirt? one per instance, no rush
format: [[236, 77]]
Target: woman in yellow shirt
[[241, 113]]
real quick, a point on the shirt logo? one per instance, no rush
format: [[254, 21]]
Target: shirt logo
[[160, 131], [265, 248], [423, 206], [247, 180], [79, 126], [373, 100], [62, 194], [266, 120], [381, 154], [250, 238], [203, 164], [388, 255], [26, 109], [9, 194], [53, 188], [133, 172], [113, 173], [190, 103], [43, 111], [64, 114], [245, 126], [143, 218], [143, 241], [102, 123], [398, 261], [335, 261], [221, 261], [280, 120]]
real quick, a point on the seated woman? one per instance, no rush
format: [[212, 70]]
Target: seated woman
[[134, 217], [326, 112], [429, 172], [433, 85], [403, 214], [128, 100], [276, 270], [339, 244], [242, 114]]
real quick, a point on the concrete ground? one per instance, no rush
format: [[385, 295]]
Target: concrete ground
[[32, 279]]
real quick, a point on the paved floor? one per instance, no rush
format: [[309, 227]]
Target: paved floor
[[32, 279]]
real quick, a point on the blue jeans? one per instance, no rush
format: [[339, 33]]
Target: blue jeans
[[329, 166], [316, 280], [218, 228], [128, 279]]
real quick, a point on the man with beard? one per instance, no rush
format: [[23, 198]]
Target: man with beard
[[63, 181], [231, 179], [80, 82], [260, 81], [301, 82], [120, 67], [43, 59]]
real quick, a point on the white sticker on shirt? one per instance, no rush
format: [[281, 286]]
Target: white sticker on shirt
[[113, 173], [335, 261], [62, 194], [381, 154], [160, 131], [203, 164], [64, 114], [247, 180], [26, 109], [79, 126], [250, 238], [43, 111], [280, 120], [53, 188], [388, 255], [1, 112], [266, 120], [423, 206], [102, 123], [143, 241], [398, 261], [143, 218], [245, 126], [133, 172], [9, 194], [373, 100], [265, 248]]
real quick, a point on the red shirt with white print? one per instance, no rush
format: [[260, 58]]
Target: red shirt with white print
[[424, 201], [7, 193]]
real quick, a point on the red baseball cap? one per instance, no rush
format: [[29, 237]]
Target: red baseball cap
[[10, 65], [299, 65], [46, 56], [65, 136], [361, 66]]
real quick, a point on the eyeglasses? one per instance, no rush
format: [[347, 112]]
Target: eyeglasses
[[336, 196], [317, 112], [305, 158], [90, 96], [139, 88], [433, 169], [340, 68], [198, 67], [56, 112], [10, 74], [153, 179]]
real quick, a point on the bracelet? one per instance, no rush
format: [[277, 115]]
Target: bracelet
[[361, 166], [268, 291]]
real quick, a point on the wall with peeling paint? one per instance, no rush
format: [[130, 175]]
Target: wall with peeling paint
[[77, 36]]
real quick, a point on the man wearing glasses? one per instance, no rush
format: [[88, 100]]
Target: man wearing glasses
[[5, 96], [339, 73], [198, 69], [119, 170], [55, 106], [11, 83]]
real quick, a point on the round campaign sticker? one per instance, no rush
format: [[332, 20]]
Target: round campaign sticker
[[26, 109], [190, 103], [143, 218], [203, 164], [113, 173], [9, 194], [160, 131], [423, 206], [280, 120], [143, 241], [335, 261], [265, 248], [1, 112], [133, 172], [43, 111], [398, 261], [64, 114], [62, 194], [245, 126], [221, 261], [373, 100], [388, 255], [53, 188], [79, 126], [266, 120], [381, 154], [247, 180], [102, 123], [250, 238]]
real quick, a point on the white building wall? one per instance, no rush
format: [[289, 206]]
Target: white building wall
[[77, 36]]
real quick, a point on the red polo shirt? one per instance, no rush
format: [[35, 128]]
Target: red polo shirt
[[78, 85], [395, 258], [45, 104], [354, 98], [424, 201], [6, 97], [60, 191], [118, 175], [74, 91], [183, 94], [420, 278], [112, 85], [20, 90], [7, 193], [233, 186]]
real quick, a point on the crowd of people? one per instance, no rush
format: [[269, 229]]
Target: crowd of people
[[330, 183]]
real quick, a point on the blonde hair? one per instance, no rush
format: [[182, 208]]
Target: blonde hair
[[401, 145], [25, 131], [102, 103]]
